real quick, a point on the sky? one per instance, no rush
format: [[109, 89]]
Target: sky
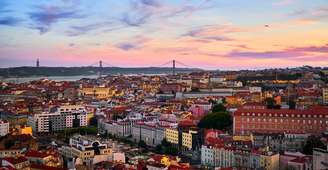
[[208, 34]]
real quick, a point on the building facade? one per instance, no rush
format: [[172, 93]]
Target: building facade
[[270, 121], [58, 119], [4, 127]]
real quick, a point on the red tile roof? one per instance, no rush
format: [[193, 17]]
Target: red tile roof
[[36, 154], [14, 160]]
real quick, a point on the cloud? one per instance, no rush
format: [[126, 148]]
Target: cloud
[[213, 32], [127, 46], [71, 44], [314, 14], [139, 12], [284, 2], [80, 30], [9, 21], [137, 42], [46, 16], [296, 53]]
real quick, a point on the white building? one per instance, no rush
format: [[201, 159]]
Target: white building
[[4, 127], [151, 134], [207, 155], [86, 151], [59, 118], [320, 159], [116, 128]]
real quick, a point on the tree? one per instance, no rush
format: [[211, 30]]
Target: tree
[[142, 144], [195, 89], [219, 108], [270, 102], [312, 142], [165, 143], [219, 120], [159, 149], [224, 101], [9, 144], [93, 121], [292, 104], [171, 151], [277, 106]]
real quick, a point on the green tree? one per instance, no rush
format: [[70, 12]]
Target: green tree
[[313, 142], [219, 108], [270, 102], [171, 151], [219, 120], [165, 143], [224, 101], [93, 121], [159, 149], [9, 143], [292, 104], [142, 144]]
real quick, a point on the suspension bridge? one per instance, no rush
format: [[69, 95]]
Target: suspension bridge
[[173, 64]]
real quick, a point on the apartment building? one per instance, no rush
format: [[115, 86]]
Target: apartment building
[[4, 127], [58, 119], [269, 121]]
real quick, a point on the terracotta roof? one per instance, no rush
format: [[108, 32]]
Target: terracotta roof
[[44, 167], [14, 160], [36, 154]]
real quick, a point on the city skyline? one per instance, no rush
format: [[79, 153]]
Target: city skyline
[[208, 34]]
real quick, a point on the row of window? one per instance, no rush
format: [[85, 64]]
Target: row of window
[[284, 115]]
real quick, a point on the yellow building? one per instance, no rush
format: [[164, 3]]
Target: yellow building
[[187, 139], [85, 149], [172, 135], [325, 95], [243, 138], [98, 92], [10, 153], [270, 162], [24, 130]]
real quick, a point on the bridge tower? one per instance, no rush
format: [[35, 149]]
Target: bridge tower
[[100, 68], [173, 67], [37, 62]]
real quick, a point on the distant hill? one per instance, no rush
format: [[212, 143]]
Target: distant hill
[[80, 71]]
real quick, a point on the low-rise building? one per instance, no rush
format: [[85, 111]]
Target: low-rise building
[[152, 134], [320, 159], [83, 150], [20, 163]]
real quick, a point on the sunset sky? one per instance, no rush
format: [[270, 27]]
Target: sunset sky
[[209, 34]]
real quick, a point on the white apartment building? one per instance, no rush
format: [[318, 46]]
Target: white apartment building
[[4, 127], [58, 119]]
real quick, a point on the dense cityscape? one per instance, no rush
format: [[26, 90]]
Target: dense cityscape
[[265, 119], [164, 85]]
